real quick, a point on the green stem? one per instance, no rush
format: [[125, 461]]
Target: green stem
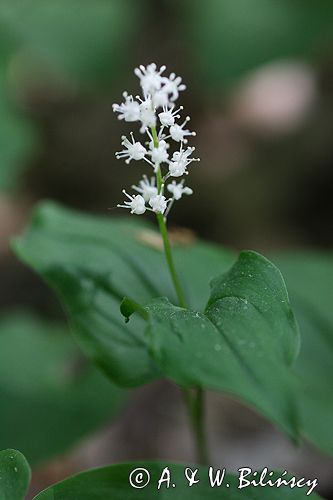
[[194, 399], [195, 406], [159, 177], [169, 259], [155, 137]]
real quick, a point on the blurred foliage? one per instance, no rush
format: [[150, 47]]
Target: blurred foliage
[[46, 389], [86, 44], [231, 37], [83, 39], [82, 42], [16, 133], [17, 141], [309, 278]]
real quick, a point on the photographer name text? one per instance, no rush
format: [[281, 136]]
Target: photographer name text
[[140, 478]]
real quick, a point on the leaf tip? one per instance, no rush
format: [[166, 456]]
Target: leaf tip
[[129, 306]]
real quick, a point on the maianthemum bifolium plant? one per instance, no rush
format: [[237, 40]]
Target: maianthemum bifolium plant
[[197, 315], [166, 154]]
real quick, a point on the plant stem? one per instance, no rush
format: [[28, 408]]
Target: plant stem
[[159, 177], [169, 259], [165, 235], [155, 137], [194, 399], [195, 406]]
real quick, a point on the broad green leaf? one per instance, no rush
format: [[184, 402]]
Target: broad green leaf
[[92, 263], [113, 483], [309, 278], [14, 475], [122, 253], [247, 333], [234, 37], [255, 282], [46, 389]]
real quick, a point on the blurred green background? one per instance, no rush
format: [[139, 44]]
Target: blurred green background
[[260, 94]]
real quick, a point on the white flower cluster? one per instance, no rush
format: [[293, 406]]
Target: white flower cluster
[[157, 114]]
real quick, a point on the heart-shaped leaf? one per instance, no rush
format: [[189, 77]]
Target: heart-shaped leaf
[[126, 257], [92, 263], [14, 475], [247, 332]]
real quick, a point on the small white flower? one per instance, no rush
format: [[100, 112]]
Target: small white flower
[[173, 85], [128, 110], [160, 98], [158, 203], [177, 190], [159, 154], [146, 188], [134, 150], [180, 161], [147, 114], [168, 116], [178, 133], [150, 78], [136, 204], [177, 169]]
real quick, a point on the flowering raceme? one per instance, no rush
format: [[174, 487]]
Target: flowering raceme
[[156, 112]]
